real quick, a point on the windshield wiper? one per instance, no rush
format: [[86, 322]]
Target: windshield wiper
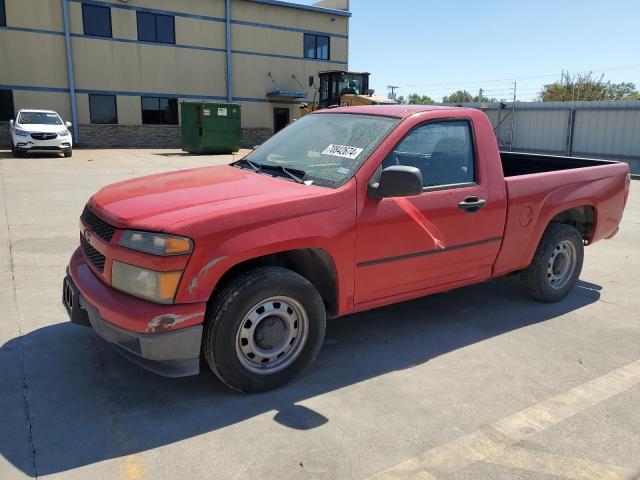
[[254, 166], [297, 175]]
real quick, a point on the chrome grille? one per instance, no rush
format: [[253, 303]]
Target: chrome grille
[[44, 136]]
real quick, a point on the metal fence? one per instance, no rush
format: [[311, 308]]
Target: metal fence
[[609, 130]]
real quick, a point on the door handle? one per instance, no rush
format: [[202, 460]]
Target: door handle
[[472, 204]]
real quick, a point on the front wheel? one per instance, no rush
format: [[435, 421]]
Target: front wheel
[[263, 329], [556, 264], [16, 153], [68, 153]]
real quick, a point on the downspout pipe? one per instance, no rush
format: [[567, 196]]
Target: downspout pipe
[[70, 74], [229, 55]]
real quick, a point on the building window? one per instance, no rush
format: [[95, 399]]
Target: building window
[[159, 111], [316, 46], [156, 28], [96, 20], [103, 109], [6, 105], [3, 17]]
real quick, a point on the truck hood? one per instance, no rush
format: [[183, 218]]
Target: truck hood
[[161, 202]]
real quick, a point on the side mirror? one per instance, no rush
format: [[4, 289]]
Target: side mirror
[[67, 124], [11, 123], [397, 181]]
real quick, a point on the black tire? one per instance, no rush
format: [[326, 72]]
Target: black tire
[[16, 153], [227, 314], [68, 153], [538, 278]]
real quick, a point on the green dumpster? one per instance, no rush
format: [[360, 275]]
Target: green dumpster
[[210, 127]]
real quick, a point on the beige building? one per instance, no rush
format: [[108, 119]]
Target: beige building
[[117, 69]]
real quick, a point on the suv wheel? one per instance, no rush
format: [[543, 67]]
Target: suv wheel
[[263, 329]]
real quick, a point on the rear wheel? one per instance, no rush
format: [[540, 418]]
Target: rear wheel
[[556, 264], [263, 329]]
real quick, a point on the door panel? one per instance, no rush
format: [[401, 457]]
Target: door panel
[[414, 243]]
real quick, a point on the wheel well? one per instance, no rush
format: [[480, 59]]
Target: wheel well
[[312, 263], [581, 218]]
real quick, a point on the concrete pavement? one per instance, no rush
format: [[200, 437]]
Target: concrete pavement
[[480, 382]]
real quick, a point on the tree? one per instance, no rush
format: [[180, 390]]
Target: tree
[[462, 96], [586, 87], [415, 99]]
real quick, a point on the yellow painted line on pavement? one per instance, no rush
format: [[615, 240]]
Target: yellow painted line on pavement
[[558, 465], [491, 443], [133, 468]]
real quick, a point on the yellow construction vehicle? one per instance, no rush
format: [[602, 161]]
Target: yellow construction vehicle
[[344, 89]]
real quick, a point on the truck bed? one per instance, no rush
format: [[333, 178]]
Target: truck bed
[[539, 187], [515, 164]]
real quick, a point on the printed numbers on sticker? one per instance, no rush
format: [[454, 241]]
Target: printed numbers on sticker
[[343, 151]]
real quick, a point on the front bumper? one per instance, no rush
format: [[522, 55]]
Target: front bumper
[[28, 144], [172, 352]]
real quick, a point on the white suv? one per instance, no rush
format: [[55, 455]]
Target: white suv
[[40, 131]]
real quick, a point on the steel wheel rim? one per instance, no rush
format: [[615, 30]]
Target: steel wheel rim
[[272, 335], [562, 264]]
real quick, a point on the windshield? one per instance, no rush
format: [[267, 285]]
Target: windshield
[[39, 118], [327, 148]]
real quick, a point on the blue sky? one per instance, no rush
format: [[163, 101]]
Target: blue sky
[[434, 47]]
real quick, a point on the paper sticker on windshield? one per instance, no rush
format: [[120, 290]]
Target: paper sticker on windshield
[[343, 151], [343, 171]]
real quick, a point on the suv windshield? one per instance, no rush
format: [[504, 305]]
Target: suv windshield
[[325, 149], [39, 118]]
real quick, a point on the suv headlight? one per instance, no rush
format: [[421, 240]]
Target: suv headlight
[[159, 287], [156, 243], [63, 133], [21, 133]]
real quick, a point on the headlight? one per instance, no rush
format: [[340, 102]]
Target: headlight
[[159, 287], [21, 133], [63, 133], [156, 243]]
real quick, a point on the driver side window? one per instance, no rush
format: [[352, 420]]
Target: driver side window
[[442, 151]]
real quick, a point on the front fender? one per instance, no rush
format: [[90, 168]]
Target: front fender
[[332, 231]]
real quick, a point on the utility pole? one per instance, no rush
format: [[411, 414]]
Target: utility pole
[[513, 116], [392, 91], [480, 96]]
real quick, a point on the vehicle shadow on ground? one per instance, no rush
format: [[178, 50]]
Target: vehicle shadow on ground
[[9, 154], [87, 404]]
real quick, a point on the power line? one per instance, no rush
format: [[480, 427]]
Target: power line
[[520, 78]]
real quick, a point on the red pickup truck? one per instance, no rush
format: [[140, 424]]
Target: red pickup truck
[[345, 210]]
